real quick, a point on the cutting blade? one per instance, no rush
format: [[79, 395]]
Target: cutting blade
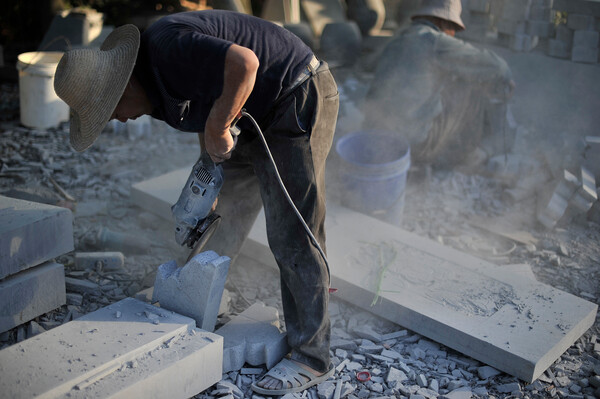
[[205, 230]]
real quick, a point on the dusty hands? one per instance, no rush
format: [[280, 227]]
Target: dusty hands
[[219, 145]]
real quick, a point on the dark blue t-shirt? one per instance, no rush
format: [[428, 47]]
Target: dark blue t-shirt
[[182, 59]]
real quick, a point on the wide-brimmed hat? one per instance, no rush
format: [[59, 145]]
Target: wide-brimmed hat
[[449, 10], [92, 81]]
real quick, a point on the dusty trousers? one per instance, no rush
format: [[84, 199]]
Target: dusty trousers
[[299, 131]]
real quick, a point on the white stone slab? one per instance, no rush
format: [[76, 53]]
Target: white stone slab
[[512, 323], [30, 293], [253, 337], [185, 366], [86, 349], [158, 194], [31, 234]]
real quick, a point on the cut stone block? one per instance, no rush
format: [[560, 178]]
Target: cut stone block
[[540, 13], [539, 28], [511, 323], [580, 22], [479, 19], [586, 38], [106, 260], [524, 43], [517, 10], [558, 49], [81, 286], [565, 35], [584, 54], [552, 206], [511, 27], [479, 5], [585, 196], [194, 290], [31, 234], [83, 351], [253, 337], [31, 293], [584, 7], [181, 368], [322, 12]]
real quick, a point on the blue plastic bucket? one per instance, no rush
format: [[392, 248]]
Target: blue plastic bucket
[[373, 171]]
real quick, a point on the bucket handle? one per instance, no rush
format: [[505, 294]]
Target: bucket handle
[[62, 37]]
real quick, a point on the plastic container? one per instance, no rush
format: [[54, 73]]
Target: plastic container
[[41, 108], [373, 170]]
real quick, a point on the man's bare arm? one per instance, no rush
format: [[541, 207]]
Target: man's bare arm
[[241, 66]]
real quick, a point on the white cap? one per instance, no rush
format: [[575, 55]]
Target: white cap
[[445, 9]]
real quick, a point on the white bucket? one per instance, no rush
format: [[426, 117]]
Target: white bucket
[[41, 108]]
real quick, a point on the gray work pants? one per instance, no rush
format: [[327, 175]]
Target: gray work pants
[[299, 132]]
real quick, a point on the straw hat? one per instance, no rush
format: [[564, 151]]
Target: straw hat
[[445, 9], [92, 81]]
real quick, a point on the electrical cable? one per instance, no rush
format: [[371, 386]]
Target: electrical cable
[[284, 189]]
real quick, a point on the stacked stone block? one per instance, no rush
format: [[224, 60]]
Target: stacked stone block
[[478, 19], [522, 23], [31, 235], [578, 39]]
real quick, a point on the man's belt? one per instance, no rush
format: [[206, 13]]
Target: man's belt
[[306, 73]]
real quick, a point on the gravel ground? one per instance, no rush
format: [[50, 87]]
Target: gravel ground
[[446, 206]]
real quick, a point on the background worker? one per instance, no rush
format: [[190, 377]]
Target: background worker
[[196, 70], [448, 98]]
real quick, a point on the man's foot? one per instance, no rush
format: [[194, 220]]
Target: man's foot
[[273, 383], [289, 376]]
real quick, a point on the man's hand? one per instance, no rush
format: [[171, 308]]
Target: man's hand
[[218, 142]]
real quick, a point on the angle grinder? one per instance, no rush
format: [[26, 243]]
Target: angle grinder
[[194, 215], [195, 219]]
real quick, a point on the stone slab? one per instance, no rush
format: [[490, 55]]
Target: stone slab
[[254, 337], [584, 54], [558, 49], [586, 38], [183, 367], [30, 293], [580, 22], [31, 234], [84, 350], [158, 194], [589, 7], [194, 290], [517, 10], [515, 324]]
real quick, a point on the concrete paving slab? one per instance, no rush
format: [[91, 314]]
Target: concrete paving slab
[[84, 350], [515, 324], [254, 337], [194, 290], [183, 367], [30, 293], [31, 234]]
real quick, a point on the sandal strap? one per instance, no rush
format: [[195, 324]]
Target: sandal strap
[[290, 373]]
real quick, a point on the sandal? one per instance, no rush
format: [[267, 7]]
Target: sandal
[[292, 378]]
